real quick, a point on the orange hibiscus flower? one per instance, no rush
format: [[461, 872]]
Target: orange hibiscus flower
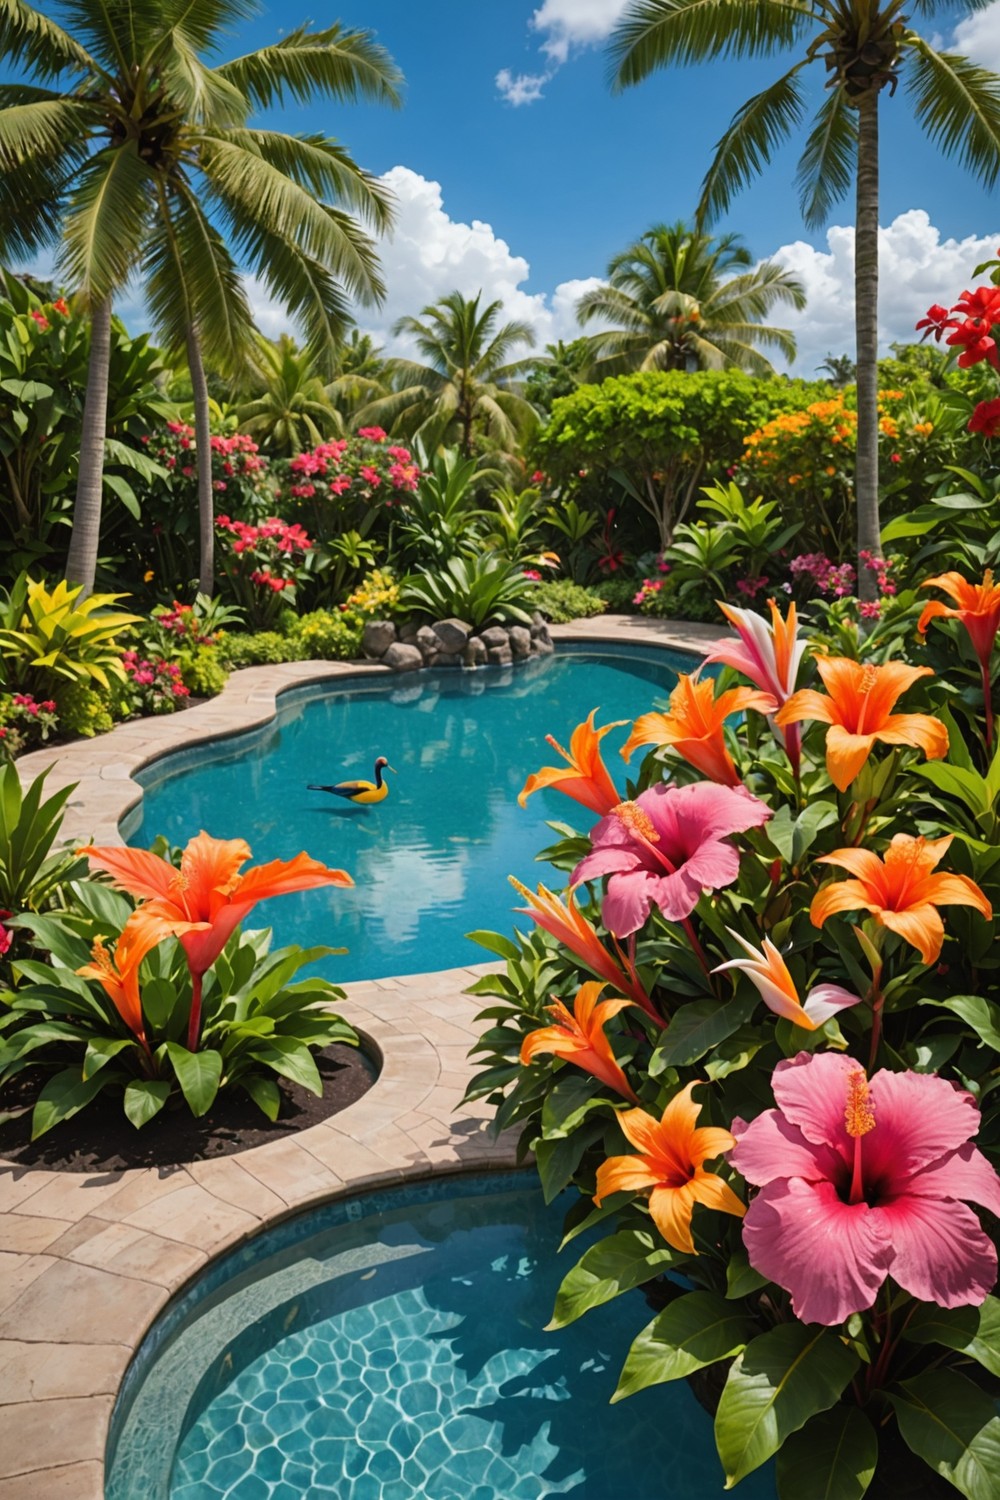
[[120, 974], [901, 892], [585, 777], [671, 1167], [979, 611], [578, 1036], [694, 725], [858, 706]]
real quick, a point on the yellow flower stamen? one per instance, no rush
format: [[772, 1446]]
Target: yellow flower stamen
[[859, 1116], [637, 820]]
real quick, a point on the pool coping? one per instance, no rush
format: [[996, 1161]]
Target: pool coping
[[89, 1260]]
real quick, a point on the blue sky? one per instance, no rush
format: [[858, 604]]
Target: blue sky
[[528, 200]]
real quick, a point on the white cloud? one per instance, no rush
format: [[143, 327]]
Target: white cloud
[[978, 36], [916, 268], [524, 88], [566, 24]]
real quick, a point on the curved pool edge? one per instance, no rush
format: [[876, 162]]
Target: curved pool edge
[[90, 1260]]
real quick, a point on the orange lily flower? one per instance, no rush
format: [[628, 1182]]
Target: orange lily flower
[[204, 901], [120, 975], [569, 926], [693, 727], [858, 706], [979, 611], [585, 777], [578, 1036], [901, 893], [671, 1164]]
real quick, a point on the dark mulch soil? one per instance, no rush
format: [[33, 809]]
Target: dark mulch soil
[[101, 1139]]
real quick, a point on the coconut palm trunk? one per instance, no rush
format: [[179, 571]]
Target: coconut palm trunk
[[81, 560], [203, 452], [866, 328]]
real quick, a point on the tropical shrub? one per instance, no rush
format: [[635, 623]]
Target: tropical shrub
[[32, 870], [44, 354], [85, 711], [351, 484], [259, 649], [475, 589], [263, 566], [759, 1036], [25, 723], [48, 637], [327, 635], [561, 600], [156, 684], [376, 597], [571, 531], [171, 1011], [203, 671], [441, 519]]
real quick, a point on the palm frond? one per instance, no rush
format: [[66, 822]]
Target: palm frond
[[31, 202], [193, 282], [825, 172], [958, 104], [205, 97], [756, 129], [305, 286], [341, 65], [734, 355], [203, 21], [752, 296], [40, 126], [251, 192], [657, 33], [105, 221], [29, 39], [325, 168]]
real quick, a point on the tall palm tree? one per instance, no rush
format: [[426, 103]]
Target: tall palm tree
[[677, 299], [290, 409], [360, 376], [863, 46], [136, 157], [468, 382]]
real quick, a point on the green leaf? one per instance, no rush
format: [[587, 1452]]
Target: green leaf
[[198, 1074], [833, 1457], [126, 494], [612, 1266], [692, 1332], [64, 1096], [782, 1379], [558, 1159], [583, 1215], [568, 1102], [741, 1278], [101, 1050], [496, 943], [144, 1099], [735, 1053], [982, 1015], [953, 1426], [974, 1331], [291, 1059], [698, 1027], [265, 1093]]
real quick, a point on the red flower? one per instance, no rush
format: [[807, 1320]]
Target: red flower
[[59, 306], [974, 335], [982, 303], [936, 322], [986, 418], [40, 319]]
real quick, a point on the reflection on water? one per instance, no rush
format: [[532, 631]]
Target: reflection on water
[[430, 862]]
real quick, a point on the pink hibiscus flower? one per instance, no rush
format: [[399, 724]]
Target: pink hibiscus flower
[[862, 1180], [665, 848]]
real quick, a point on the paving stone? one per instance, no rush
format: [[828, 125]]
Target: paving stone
[[68, 1482], [28, 1235], [67, 1431], [47, 1372], [195, 1217], [70, 1303]]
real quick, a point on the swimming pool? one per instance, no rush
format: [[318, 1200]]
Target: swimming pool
[[430, 862], [393, 1347]]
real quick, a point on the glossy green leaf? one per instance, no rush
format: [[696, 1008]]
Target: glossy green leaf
[[265, 1093], [698, 1027], [101, 1050], [782, 1379], [953, 1426], [64, 1096], [833, 1457], [558, 1159], [145, 1098], [741, 1278], [974, 1331], [198, 1074], [291, 1059], [617, 1264], [694, 1331], [981, 1014]]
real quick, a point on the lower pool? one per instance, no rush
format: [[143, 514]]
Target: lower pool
[[394, 1348], [430, 862]]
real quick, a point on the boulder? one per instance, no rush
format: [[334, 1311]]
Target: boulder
[[520, 641], [495, 635], [378, 637], [542, 646], [427, 641], [499, 656], [474, 654], [448, 659], [402, 658], [452, 634], [408, 630]]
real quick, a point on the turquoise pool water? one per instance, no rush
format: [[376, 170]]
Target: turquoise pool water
[[430, 862], [393, 1348]]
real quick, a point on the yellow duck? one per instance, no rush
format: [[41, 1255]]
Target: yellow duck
[[362, 792]]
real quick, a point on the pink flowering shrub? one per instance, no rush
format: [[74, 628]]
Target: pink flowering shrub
[[154, 684], [25, 723], [263, 565], [350, 484]]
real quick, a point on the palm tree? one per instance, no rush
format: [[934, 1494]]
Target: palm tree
[[839, 368], [678, 299], [291, 410], [468, 382], [559, 372], [143, 162], [360, 376], [863, 46]]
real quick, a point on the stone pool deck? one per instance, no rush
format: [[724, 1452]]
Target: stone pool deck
[[88, 1261]]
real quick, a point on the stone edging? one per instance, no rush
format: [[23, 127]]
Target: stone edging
[[88, 1261]]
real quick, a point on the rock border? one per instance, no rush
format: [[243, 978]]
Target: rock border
[[453, 643], [90, 1260]]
